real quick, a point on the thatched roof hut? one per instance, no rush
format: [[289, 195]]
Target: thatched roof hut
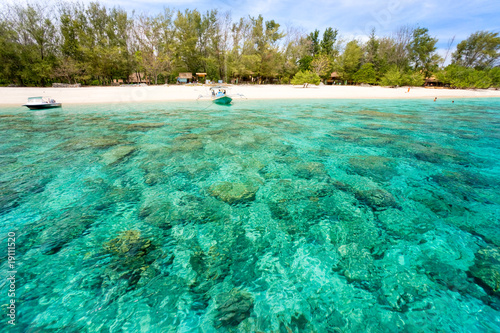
[[433, 81], [334, 78], [185, 77]]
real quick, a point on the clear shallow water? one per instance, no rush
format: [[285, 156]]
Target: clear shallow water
[[265, 216]]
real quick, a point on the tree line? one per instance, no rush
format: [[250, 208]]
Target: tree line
[[95, 45]]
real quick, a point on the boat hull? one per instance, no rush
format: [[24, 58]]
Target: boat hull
[[224, 100], [43, 106]]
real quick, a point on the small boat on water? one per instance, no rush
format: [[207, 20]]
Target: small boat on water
[[219, 95], [37, 103]]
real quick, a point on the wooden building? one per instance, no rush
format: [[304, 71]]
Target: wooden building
[[433, 81], [334, 79], [200, 77], [185, 78]]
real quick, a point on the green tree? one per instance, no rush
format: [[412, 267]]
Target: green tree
[[392, 78], [350, 61], [480, 50], [305, 63], [306, 78], [101, 46], [314, 43], [371, 51], [328, 42], [386, 55], [152, 49], [316, 50], [321, 65], [266, 36], [210, 46], [494, 75], [241, 59], [9, 53], [189, 30], [413, 78], [295, 48], [38, 42], [70, 28], [422, 51], [366, 74], [463, 77], [73, 62], [36, 24]]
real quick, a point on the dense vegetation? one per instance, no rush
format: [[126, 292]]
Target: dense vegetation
[[94, 45]]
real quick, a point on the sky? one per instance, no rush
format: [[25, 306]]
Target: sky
[[445, 19]]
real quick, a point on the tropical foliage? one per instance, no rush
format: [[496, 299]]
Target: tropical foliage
[[305, 78], [462, 77], [480, 50], [74, 42]]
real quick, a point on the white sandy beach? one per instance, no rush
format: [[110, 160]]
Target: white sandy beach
[[18, 96]]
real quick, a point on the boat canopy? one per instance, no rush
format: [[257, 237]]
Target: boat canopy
[[40, 100]]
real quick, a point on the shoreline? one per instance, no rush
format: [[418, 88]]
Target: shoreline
[[17, 96]]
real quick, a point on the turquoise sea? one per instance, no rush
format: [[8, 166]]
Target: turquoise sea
[[264, 216]]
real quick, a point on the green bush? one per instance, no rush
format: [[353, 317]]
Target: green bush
[[393, 77], [366, 74], [463, 77], [95, 83], [479, 79], [306, 78], [414, 79], [494, 75]]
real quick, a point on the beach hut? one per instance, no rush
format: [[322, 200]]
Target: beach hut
[[201, 77], [334, 79], [185, 78], [433, 81]]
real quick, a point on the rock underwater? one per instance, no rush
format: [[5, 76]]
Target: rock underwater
[[233, 193]]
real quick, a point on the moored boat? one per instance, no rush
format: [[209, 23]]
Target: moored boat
[[37, 103], [219, 96]]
